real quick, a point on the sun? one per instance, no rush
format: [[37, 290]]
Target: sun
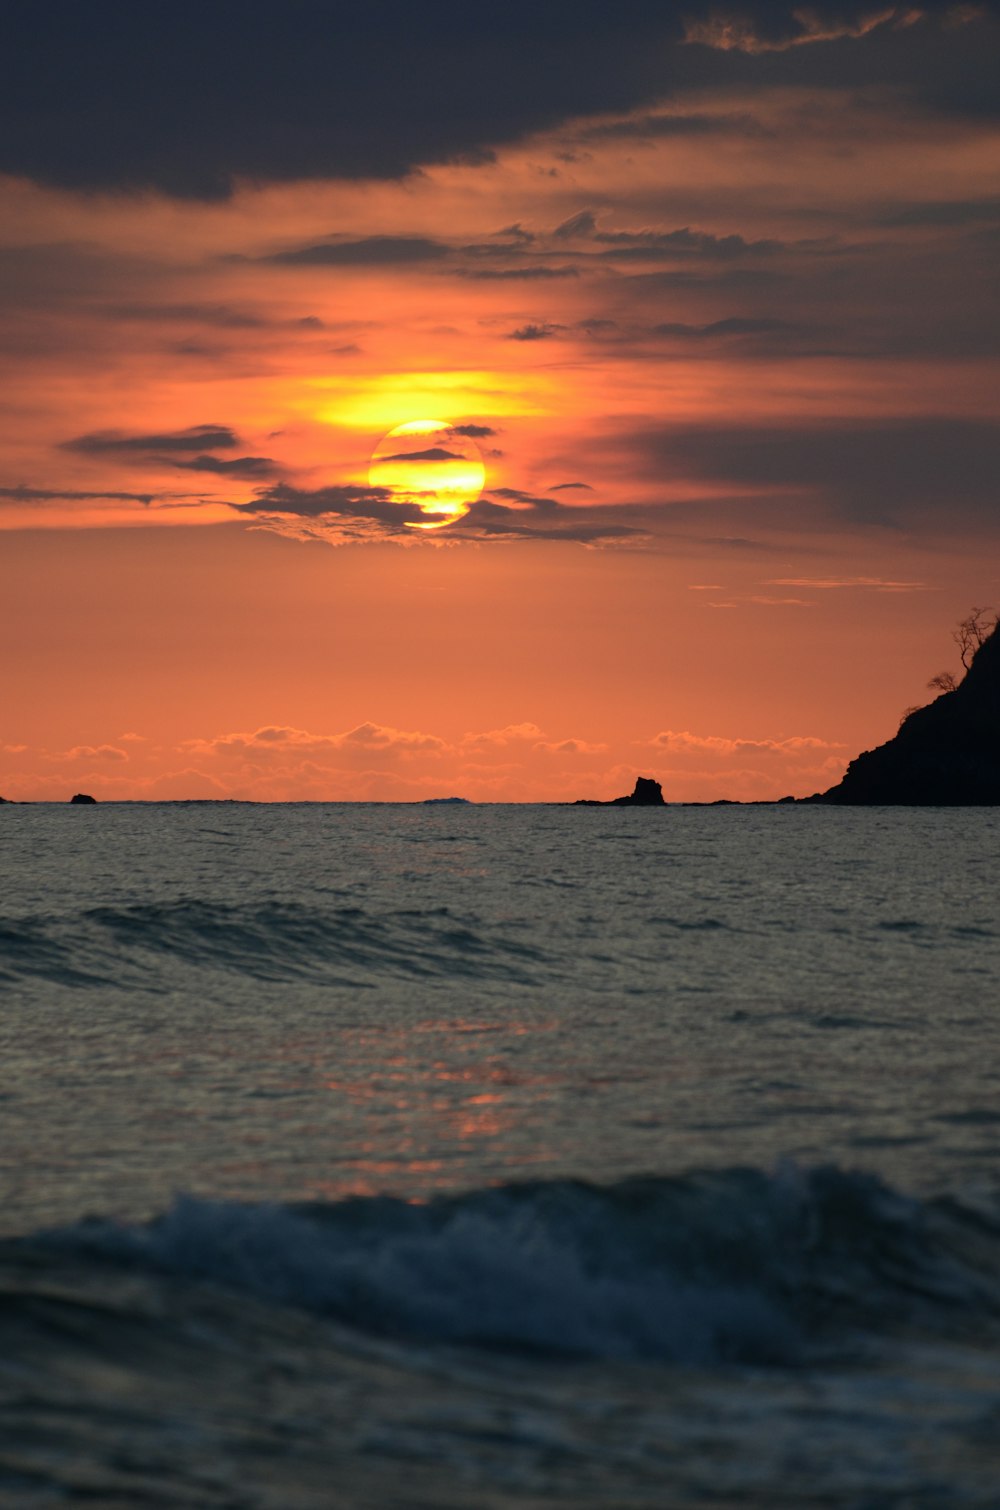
[[430, 467]]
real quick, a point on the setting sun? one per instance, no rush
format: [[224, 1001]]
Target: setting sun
[[432, 466]]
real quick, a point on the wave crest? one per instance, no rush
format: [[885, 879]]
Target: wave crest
[[738, 1266]]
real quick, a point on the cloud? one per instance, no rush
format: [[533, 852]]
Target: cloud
[[62, 495], [732, 326], [222, 316], [280, 740], [569, 747], [944, 212], [93, 752], [682, 740], [513, 274], [535, 332], [473, 432], [653, 245], [570, 487], [374, 507], [663, 126], [581, 224], [433, 453], [370, 251], [545, 519], [187, 102], [870, 584], [197, 438], [251, 468], [931, 472], [517, 232], [345, 514], [756, 30], [523, 733]]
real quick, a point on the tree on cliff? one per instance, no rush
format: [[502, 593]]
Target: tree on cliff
[[973, 631]]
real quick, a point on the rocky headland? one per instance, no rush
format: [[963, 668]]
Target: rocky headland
[[945, 755]]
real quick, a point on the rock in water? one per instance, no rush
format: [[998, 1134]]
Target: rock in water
[[947, 754], [82, 797], [647, 793]]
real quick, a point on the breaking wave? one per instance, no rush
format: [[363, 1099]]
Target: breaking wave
[[128, 945], [738, 1266]]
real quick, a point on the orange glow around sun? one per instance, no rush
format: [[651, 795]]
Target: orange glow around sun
[[429, 465]]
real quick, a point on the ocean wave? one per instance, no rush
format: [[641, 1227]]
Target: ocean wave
[[731, 1267], [272, 940]]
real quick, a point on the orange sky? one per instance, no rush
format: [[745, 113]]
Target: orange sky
[[730, 358]]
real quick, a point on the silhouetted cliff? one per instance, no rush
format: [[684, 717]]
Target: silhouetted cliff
[[947, 754]]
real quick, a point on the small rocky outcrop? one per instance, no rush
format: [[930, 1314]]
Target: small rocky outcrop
[[646, 793], [947, 754], [82, 797]]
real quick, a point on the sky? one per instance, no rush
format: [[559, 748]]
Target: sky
[[687, 320]]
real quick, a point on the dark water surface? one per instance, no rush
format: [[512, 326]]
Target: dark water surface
[[402, 1155]]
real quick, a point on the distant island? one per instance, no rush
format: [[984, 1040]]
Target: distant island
[[431, 801], [946, 754]]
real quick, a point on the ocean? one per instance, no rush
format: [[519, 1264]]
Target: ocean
[[499, 1156]]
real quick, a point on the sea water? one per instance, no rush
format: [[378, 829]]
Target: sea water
[[453, 1155]]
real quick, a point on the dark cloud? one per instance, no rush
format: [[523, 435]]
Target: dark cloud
[[251, 468], [568, 487], [658, 127], [542, 518], [943, 63], [734, 326], [61, 495], [944, 212], [718, 277], [342, 502], [496, 251], [47, 275], [221, 316], [926, 473], [190, 99], [581, 224], [198, 438], [433, 453], [517, 495], [652, 245], [370, 251], [344, 513], [541, 271], [517, 232], [534, 332], [474, 432]]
